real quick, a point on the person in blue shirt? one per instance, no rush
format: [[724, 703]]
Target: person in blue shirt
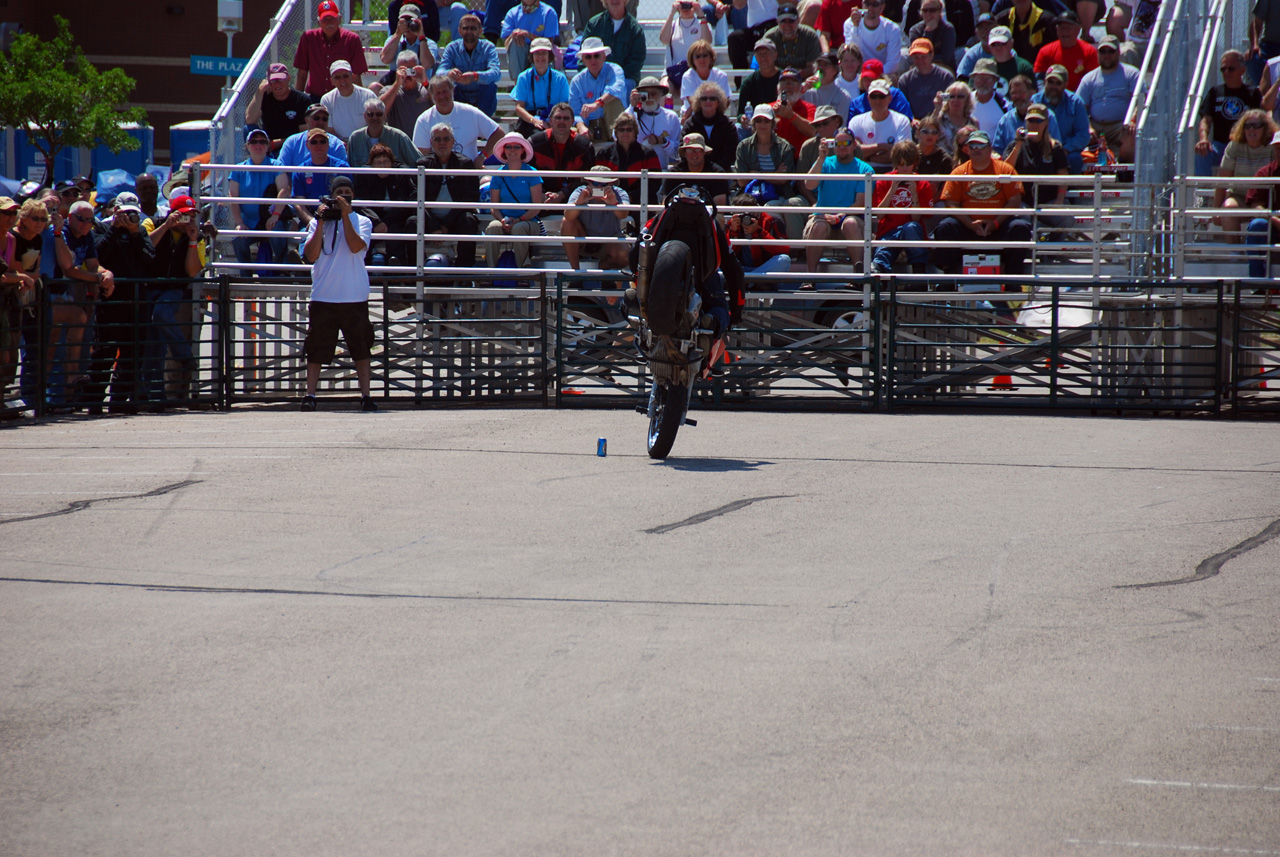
[[312, 186], [538, 89], [260, 183], [1021, 88], [835, 193], [294, 149], [472, 65], [517, 181], [598, 93], [1069, 112], [531, 19]]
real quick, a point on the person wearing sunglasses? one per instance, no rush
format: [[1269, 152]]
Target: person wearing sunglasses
[[253, 215], [1004, 228], [377, 131], [846, 195], [878, 129], [116, 356], [1222, 106], [308, 185], [345, 101], [294, 150], [83, 282], [875, 35], [277, 107], [685, 26], [1248, 152]]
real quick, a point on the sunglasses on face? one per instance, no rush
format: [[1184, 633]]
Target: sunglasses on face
[[319, 141], [978, 146], [71, 192], [1032, 120], [36, 219], [877, 95], [444, 141], [374, 113], [1254, 126], [958, 96], [81, 218], [928, 9], [1227, 68], [843, 144], [319, 118], [710, 98], [258, 141]]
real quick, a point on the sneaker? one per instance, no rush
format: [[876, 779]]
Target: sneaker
[[308, 403], [367, 404]]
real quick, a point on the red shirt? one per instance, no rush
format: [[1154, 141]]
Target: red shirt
[[790, 132], [831, 20], [316, 53], [886, 223], [1079, 60]]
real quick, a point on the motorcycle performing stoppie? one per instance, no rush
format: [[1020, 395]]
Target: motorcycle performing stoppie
[[675, 336]]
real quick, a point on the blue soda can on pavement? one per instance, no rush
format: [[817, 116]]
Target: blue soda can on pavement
[[602, 447]]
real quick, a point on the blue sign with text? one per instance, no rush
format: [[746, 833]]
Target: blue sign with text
[[220, 66]]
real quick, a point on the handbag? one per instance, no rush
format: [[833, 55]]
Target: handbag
[[763, 191]]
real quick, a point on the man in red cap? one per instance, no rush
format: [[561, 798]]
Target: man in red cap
[[320, 48]]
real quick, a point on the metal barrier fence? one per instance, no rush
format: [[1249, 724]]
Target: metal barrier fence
[[558, 339]]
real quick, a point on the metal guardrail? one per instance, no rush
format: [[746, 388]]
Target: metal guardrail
[[559, 339]]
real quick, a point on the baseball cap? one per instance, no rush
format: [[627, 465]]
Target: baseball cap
[[66, 184], [787, 10], [182, 204], [1109, 41], [1038, 110], [125, 201], [873, 68], [328, 9], [765, 43], [341, 181], [829, 57], [879, 85], [316, 132], [1000, 35], [257, 132], [921, 46], [1059, 71], [409, 10], [790, 74], [985, 18], [542, 43], [339, 65], [1068, 17], [980, 137], [79, 180], [7, 204], [277, 71], [762, 110], [316, 108]]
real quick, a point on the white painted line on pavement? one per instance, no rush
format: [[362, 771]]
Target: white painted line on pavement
[[1218, 786], [116, 473], [1261, 678], [1209, 849]]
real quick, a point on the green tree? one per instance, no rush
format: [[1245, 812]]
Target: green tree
[[50, 89]]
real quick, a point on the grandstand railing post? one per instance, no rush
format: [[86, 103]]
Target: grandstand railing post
[[544, 372], [868, 190], [1219, 309], [558, 308], [886, 354], [1234, 372], [1054, 342], [644, 200], [224, 343], [420, 241], [1097, 225], [386, 342]]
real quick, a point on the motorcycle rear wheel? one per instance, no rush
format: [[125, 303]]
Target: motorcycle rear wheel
[[667, 405]]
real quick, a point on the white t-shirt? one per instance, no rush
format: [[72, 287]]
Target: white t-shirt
[[884, 43], [683, 35], [892, 129], [850, 87], [987, 116], [665, 125], [338, 275], [759, 11], [690, 82], [346, 114], [471, 128]]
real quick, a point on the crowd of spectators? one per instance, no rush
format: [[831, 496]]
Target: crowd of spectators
[[944, 104]]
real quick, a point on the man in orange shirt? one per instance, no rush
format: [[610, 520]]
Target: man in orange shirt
[[1000, 228]]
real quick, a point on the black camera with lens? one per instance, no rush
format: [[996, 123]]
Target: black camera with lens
[[329, 209]]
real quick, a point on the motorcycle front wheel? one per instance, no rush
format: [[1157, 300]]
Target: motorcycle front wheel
[[667, 404]]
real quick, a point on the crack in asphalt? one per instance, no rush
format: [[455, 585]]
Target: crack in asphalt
[[702, 517], [245, 590], [1212, 565], [81, 505]]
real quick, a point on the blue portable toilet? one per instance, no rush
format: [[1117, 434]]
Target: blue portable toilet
[[28, 162], [131, 162], [188, 140]]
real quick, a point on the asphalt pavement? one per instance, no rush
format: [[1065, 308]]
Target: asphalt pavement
[[462, 632]]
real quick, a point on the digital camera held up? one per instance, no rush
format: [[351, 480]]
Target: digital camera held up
[[329, 209]]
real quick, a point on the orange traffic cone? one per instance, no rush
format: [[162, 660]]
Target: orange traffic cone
[[1001, 382], [1262, 370]]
